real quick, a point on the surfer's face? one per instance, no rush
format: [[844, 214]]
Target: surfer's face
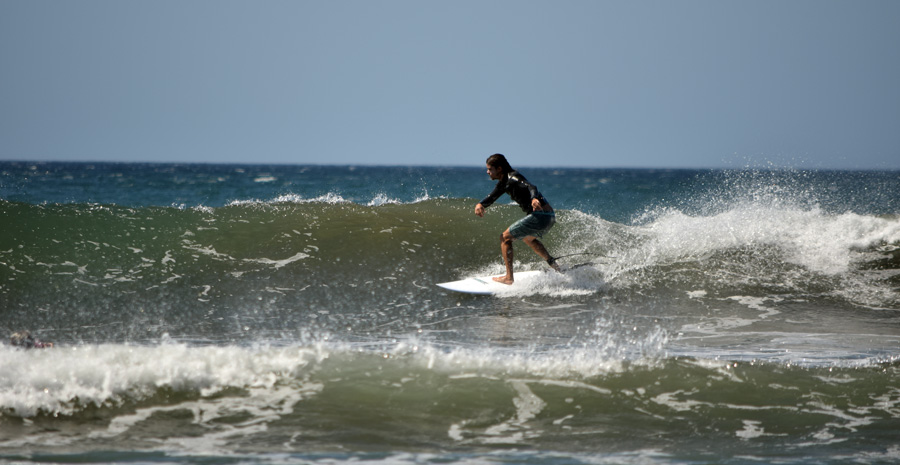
[[494, 172]]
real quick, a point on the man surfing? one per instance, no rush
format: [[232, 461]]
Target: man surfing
[[530, 229]]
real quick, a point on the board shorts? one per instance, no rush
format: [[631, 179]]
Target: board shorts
[[535, 224]]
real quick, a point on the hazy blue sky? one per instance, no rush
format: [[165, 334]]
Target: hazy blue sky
[[550, 83]]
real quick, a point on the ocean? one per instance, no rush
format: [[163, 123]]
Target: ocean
[[250, 314]]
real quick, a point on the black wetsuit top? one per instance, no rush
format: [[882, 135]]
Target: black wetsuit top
[[518, 188]]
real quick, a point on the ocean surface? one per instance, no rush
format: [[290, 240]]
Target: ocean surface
[[289, 315]]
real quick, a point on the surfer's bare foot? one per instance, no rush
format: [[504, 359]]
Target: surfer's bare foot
[[503, 280], [552, 262]]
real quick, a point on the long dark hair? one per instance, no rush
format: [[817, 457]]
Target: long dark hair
[[497, 160]]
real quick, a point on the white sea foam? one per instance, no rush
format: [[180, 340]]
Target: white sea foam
[[278, 263], [810, 238], [382, 199], [329, 198], [66, 379]]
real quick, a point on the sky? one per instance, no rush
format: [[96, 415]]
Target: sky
[[569, 83]]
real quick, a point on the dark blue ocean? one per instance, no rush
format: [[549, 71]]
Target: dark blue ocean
[[289, 314]]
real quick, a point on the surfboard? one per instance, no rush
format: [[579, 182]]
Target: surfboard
[[485, 285]]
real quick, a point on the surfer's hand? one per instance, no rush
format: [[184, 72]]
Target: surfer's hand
[[536, 205], [479, 211]]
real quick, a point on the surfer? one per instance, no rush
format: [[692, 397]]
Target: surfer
[[530, 229]]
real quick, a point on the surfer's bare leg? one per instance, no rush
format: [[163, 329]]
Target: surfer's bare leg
[[539, 249], [506, 250]]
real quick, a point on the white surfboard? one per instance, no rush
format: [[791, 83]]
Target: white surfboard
[[485, 285]]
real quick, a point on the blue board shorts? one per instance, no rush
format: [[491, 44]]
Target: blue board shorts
[[535, 224]]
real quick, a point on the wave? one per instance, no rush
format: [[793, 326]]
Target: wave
[[307, 400], [766, 246], [301, 252], [78, 379], [302, 402]]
